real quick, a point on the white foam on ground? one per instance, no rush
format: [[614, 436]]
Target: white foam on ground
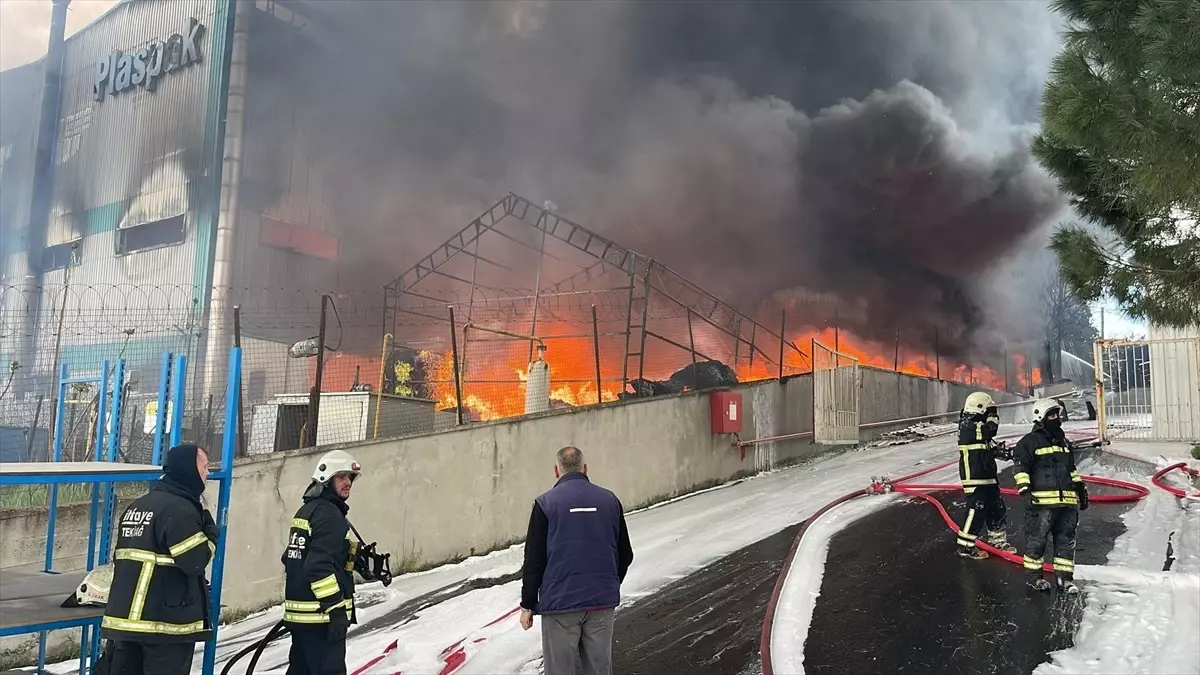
[[1138, 618], [802, 586]]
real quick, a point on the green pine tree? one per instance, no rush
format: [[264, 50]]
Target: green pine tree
[[1121, 134]]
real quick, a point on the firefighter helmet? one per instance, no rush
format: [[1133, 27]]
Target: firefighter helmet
[[334, 462], [978, 403], [93, 590], [1044, 407]]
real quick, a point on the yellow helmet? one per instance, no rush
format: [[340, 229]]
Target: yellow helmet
[[978, 403]]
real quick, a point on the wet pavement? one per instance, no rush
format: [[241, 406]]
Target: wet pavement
[[707, 623], [896, 599]]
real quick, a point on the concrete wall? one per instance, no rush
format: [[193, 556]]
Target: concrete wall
[[438, 497]]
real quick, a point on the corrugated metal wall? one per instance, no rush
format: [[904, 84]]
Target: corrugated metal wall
[[135, 157], [132, 158], [19, 95], [282, 174], [1175, 382]]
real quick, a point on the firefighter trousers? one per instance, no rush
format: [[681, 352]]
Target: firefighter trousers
[[122, 657], [985, 509], [1057, 523], [314, 652]]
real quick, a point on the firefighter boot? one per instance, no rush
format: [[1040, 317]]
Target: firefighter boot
[[1067, 585], [1038, 583], [972, 553], [999, 539]]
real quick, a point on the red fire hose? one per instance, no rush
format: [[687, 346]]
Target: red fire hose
[[1181, 466], [879, 486]]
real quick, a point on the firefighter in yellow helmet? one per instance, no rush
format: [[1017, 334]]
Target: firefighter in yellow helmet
[[1054, 495], [318, 563], [978, 424]]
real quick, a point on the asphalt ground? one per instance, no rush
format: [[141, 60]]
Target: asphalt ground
[[895, 598]]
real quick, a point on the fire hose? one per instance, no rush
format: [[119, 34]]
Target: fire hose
[[1157, 479], [370, 565], [885, 485], [881, 486]]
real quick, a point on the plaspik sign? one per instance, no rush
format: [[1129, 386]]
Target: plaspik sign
[[120, 71]]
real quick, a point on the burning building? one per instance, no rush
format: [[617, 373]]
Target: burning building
[[210, 153], [182, 180], [522, 287]]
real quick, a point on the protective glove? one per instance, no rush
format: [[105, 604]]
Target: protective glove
[[1026, 497], [209, 526], [1082, 493], [339, 623]]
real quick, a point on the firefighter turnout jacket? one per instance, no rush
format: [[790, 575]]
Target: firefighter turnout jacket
[[1045, 468], [158, 592], [319, 562], [976, 451]]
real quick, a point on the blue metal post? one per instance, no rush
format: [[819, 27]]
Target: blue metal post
[[59, 410], [110, 491], [178, 380], [114, 442], [94, 513], [164, 380], [233, 389]]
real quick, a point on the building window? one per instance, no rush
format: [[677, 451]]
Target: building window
[[303, 240], [157, 234], [60, 256]]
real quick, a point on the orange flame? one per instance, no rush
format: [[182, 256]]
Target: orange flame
[[495, 368]]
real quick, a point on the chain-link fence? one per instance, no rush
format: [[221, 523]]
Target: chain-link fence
[[391, 368]]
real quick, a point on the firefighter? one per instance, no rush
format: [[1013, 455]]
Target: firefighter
[[978, 424], [1054, 495], [158, 601], [319, 568]]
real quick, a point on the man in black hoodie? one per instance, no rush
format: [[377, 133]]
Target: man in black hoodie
[[158, 603], [318, 562]]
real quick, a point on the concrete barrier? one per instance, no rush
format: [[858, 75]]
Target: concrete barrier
[[440, 497]]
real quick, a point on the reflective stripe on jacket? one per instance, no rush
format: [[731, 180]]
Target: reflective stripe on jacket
[[976, 458], [158, 591], [1045, 468], [318, 562]]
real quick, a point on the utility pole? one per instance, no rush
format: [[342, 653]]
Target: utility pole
[[314, 395]]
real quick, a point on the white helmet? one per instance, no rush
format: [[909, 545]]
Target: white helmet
[[333, 463], [978, 403], [93, 590], [1044, 407]]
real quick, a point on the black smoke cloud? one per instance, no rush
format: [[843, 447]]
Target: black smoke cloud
[[872, 152]]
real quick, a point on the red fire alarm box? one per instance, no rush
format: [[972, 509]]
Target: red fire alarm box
[[726, 412]]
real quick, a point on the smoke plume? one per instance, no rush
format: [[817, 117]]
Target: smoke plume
[[871, 152]]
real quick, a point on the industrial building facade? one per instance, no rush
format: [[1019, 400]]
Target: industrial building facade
[[180, 174]]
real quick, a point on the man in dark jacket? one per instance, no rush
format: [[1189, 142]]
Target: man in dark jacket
[[577, 552], [158, 603], [978, 424], [318, 605], [1054, 494]]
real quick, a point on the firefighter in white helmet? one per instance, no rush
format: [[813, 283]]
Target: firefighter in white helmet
[[319, 569], [978, 424], [1054, 495]]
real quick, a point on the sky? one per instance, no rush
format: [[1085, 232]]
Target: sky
[[25, 24], [1117, 324]]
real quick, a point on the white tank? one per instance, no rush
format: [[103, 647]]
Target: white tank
[[537, 385]]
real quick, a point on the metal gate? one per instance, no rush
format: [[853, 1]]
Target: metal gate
[[1148, 389], [835, 396]]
